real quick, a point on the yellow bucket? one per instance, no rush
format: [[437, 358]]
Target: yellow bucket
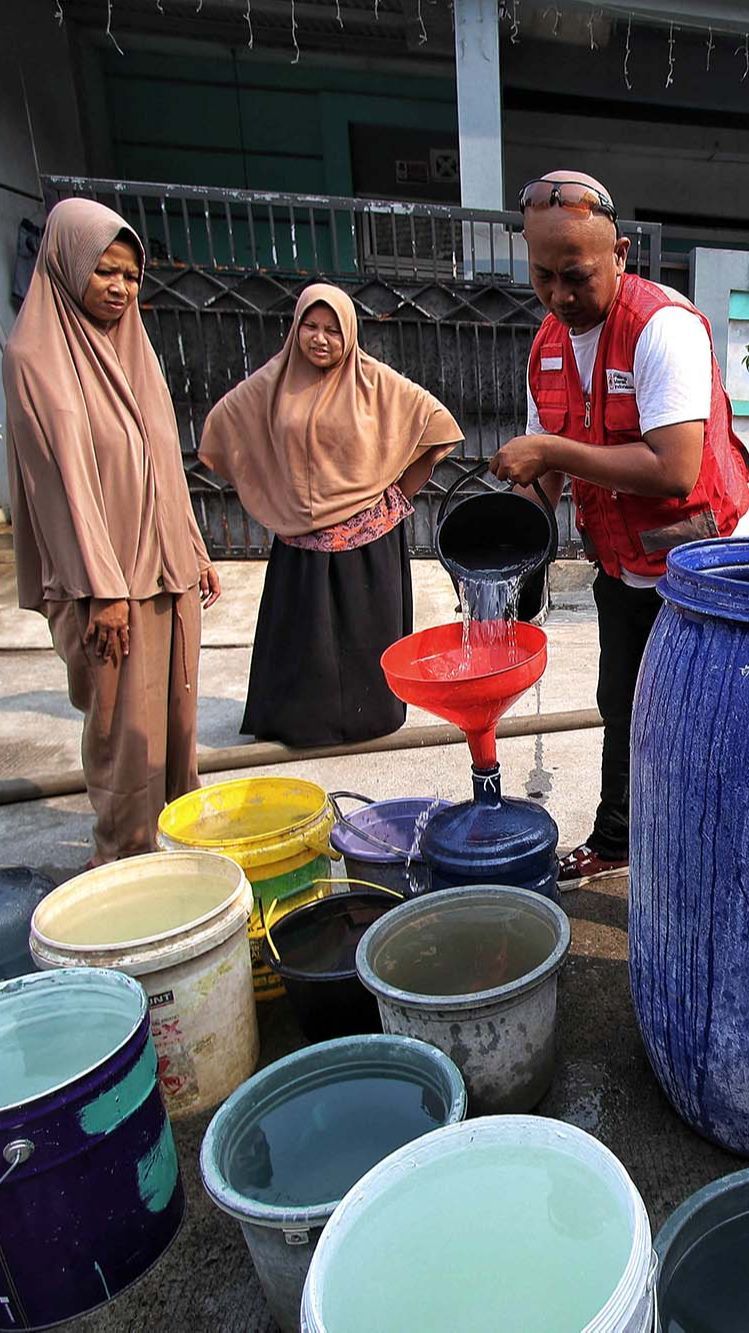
[[277, 830]]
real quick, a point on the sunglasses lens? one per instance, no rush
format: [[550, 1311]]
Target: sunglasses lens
[[567, 194]]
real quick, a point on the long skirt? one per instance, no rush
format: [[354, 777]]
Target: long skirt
[[325, 619], [140, 715]]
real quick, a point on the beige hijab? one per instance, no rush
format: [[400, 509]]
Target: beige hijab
[[100, 504], [308, 448]]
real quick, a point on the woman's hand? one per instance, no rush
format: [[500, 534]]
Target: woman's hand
[[109, 627], [210, 587]]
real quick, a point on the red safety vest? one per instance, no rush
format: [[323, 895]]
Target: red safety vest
[[634, 531]]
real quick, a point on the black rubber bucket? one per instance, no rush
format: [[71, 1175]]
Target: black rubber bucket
[[500, 533], [316, 947]]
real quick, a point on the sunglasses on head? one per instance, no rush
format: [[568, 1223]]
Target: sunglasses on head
[[566, 194]]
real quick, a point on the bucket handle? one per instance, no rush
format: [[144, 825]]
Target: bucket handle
[[335, 797], [366, 883], [538, 488]]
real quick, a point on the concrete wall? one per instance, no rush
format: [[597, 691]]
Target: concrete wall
[[38, 127]]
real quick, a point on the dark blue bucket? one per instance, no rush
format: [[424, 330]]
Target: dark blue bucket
[[90, 1192], [380, 842], [21, 891]]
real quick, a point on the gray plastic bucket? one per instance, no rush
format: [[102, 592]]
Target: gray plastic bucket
[[715, 1218], [473, 971], [243, 1143]]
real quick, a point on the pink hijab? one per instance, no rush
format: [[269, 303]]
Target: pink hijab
[[308, 448], [100, 504]]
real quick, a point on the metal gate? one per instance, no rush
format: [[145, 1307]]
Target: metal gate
[[441, 293]]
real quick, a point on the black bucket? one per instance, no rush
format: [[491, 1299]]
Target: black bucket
[[316, 947], [498, 533]]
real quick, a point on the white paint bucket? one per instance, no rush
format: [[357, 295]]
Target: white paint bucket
[[179, 924], [479, 1226]]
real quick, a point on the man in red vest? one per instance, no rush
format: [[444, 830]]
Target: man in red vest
[[625, 397]]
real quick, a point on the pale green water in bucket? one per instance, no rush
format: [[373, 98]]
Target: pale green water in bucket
[[51, 1035], [517, 1238]]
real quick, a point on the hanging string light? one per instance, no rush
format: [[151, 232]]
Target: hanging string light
[[515, 21], [422, 29], [628, 55], [556, 11], [510, 10], [671, 56], [744, 50], [298, 53], [109, 32]]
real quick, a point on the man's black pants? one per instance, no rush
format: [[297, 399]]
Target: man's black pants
[[625, 619]]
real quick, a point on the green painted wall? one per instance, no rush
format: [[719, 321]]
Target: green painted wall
[[253, 124]]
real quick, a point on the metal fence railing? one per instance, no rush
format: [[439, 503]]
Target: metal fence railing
[[442, 294]]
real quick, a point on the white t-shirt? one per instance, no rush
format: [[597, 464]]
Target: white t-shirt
[[672, 374]]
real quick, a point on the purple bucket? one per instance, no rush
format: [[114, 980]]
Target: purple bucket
[[381, 842], [90, 1192]]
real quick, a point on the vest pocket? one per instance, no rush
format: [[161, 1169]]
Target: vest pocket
[[552, 410], [622, 417]]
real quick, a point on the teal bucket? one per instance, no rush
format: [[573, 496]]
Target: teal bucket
[[290, 1142]]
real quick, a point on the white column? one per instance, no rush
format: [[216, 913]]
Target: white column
[[479, 103]]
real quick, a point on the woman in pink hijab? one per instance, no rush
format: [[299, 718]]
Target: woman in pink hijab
[[326, 446], [107, 546]]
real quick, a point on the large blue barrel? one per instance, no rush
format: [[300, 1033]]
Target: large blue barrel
[[689, 855], [90, 1194]]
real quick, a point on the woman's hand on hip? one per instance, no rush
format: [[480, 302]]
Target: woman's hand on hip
[[109, 628], [210, 587]]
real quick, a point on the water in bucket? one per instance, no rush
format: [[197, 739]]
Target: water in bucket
[[515, 1238], [307, 1150], [709, 1291], [51, 1042]]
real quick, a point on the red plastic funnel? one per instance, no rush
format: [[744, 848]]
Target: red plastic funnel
[[432, 670]]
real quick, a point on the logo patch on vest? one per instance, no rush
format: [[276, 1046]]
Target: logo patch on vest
[[620, 381], [551, 362]]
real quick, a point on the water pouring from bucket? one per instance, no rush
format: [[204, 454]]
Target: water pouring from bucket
[[497, 548], [470, 675], [428, 669]]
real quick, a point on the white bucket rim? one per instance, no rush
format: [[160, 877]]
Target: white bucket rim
[[445, 898], [61, 976], [638, 1272], [89, 880]]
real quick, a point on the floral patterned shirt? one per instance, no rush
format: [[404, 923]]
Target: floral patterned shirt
[[366, 526]]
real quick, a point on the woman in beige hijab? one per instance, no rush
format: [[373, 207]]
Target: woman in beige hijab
[[326, 446], [107, 546]]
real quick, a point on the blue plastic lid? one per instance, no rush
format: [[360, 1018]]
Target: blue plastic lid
[[390, 822], [709, 578]]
